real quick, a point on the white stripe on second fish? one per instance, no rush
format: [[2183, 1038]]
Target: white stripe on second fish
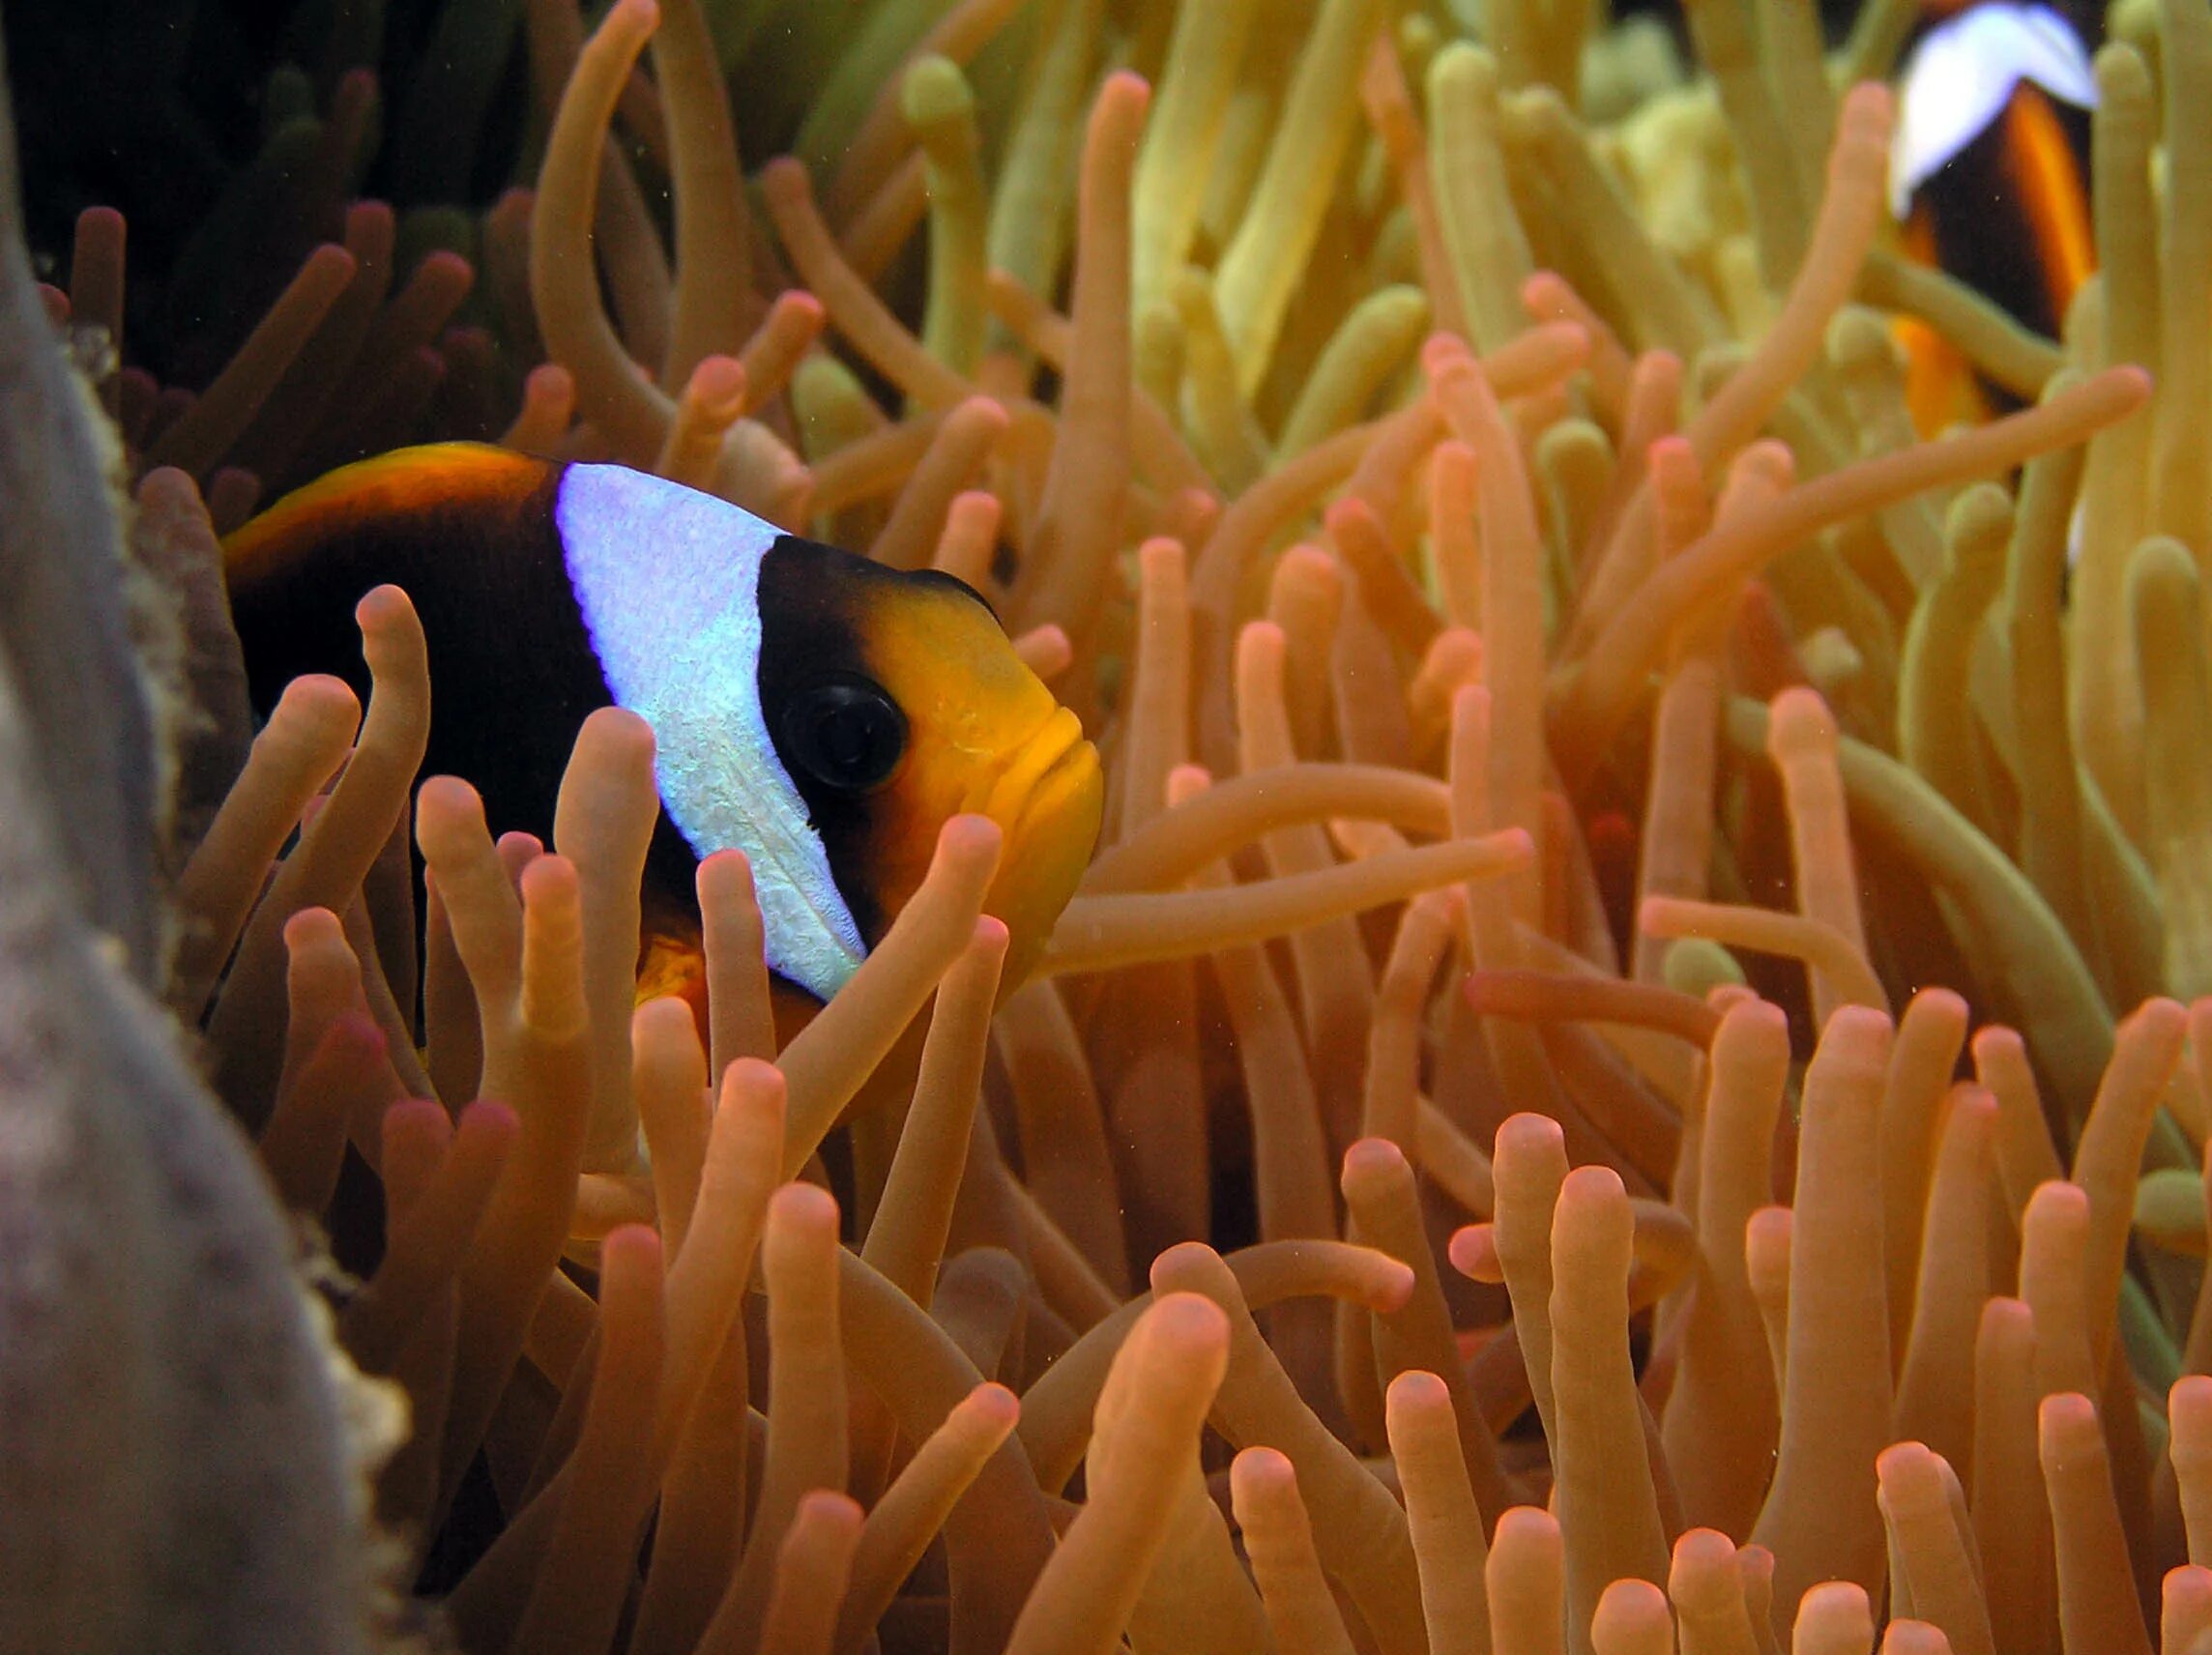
[[1960, 76]]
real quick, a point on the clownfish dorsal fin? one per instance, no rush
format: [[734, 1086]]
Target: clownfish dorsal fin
[[403, 482]]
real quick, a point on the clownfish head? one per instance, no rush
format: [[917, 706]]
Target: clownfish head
[[825, 715]]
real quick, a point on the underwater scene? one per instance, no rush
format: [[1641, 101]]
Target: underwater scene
[[1227, 826]]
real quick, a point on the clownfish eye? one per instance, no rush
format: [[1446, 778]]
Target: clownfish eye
[[845, 733]]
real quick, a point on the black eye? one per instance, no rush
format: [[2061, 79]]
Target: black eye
[[846, 734]]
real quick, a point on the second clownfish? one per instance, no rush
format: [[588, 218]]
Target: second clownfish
[[1988, 175], [820, 713]]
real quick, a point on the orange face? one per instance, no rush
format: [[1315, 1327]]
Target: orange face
[[984, 735]]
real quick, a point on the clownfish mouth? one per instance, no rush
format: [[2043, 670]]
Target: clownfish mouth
[[1039, 775], [1048, 796]]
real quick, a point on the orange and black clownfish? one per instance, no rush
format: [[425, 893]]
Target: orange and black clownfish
[[1988, 175], [817, 712]]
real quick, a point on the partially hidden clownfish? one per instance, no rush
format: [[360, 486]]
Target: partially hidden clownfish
[[1987, 174], [821, 712]]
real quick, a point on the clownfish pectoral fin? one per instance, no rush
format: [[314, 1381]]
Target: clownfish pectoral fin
[[1962, 75], [672, 963]]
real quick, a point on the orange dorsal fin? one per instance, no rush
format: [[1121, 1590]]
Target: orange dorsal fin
[[402, 482]]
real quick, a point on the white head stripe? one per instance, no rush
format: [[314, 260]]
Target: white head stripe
[[668, 580], [1963, 74]]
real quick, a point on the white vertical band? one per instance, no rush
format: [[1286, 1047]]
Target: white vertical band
[[668, 581]]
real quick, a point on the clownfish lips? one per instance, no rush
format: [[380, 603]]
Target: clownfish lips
[[1037, 774], [1048, 796]]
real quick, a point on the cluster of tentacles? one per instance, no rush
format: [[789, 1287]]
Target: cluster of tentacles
[[1623, 1080]]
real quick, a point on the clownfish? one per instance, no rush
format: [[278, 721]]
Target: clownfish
[[821, 712], [1988, 177]]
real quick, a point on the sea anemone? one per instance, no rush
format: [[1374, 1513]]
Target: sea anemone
[[1601, 798]]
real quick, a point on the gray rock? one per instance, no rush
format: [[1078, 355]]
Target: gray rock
[[63, 631], [179, 1468]]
